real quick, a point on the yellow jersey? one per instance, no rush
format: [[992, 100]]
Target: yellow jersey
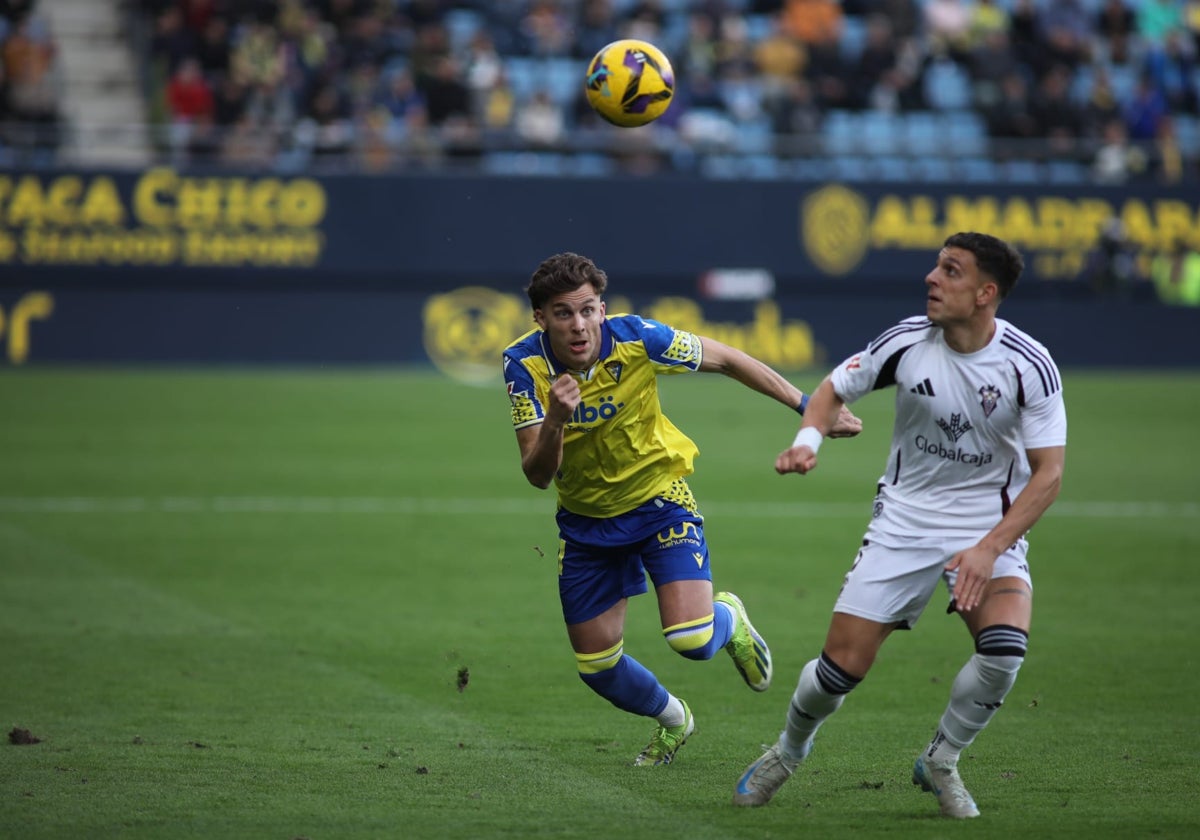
[[619, 449]]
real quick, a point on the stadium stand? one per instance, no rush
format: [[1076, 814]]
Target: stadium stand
[[1023, 90]]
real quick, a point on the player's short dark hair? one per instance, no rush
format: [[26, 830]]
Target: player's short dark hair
[[995, 257], [564, 272]]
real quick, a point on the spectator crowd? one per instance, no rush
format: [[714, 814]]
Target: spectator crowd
[[1111, 85], [387, 84]]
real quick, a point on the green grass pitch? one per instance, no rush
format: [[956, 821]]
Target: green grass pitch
[[322, 604]]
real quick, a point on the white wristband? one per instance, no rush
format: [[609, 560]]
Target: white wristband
[[810, 437]]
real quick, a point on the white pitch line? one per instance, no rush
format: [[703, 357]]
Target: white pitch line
[[506, 507]]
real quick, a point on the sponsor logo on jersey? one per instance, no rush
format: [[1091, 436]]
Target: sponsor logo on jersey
[[684, 533], [956, 428], [990, 395], [588, 414], [955, 454]]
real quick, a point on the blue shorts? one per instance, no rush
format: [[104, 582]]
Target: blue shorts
[[602, 561]]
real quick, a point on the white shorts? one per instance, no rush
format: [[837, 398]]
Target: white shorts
[[893, 585]]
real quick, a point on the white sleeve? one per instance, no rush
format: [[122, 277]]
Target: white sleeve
[[855, 377], [1045, 423]]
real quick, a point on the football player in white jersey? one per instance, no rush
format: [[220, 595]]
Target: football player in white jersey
[[976, 458]]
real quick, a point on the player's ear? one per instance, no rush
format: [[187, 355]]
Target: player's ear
[[539, 318], [988, 292]]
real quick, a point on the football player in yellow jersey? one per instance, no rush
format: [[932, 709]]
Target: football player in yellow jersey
[[587, 416]]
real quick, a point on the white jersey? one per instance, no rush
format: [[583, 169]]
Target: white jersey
[[963, 424]]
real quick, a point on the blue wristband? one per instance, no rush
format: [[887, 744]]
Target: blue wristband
[[803, 404]]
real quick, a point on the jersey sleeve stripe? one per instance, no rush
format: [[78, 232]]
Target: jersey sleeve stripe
[[1041, 362], [903, 328]]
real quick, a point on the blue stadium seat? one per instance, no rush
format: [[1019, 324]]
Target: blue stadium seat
[[764, 168], [933, 169], [757, 27], [1082, 83], [892, 168], [720, 167], [922, 132], [592, 165], [524, 163], [563, 78], [1022, 172], [853, 38], [947, 86], [850, 168], [1187, 131], [753, 137], [963, 133], [975, 170], [809, 169], [840, 132], [881, 133], [461, 26], [1066, 172], [524, 75], [1124, 81], [741, 96]]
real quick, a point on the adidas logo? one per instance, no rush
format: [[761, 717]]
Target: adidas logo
[[925, 389]]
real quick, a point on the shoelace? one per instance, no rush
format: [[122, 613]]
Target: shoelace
[[664, 742]]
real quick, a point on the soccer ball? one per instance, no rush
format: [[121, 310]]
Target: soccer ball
[[630, 82]]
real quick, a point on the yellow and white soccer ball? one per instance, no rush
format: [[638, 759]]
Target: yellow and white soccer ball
[[630, 82]]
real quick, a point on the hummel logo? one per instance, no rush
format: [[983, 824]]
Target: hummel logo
[[925, 389]]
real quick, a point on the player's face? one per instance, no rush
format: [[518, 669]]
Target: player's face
[[956, 287], [572, 321]]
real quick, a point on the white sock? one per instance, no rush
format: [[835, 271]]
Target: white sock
[[673, 714], [978, 692], [810, 705]]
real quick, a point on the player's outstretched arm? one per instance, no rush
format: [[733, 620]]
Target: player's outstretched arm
[[739, 365], [825, 411]]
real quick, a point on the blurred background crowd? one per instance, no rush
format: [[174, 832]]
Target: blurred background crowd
[[1103, 91]]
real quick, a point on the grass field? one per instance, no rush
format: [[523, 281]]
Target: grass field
[[242, 604]]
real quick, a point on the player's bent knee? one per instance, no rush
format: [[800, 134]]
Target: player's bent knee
[[999, 654], [692, 639], [598, 663], [1002, 640]]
